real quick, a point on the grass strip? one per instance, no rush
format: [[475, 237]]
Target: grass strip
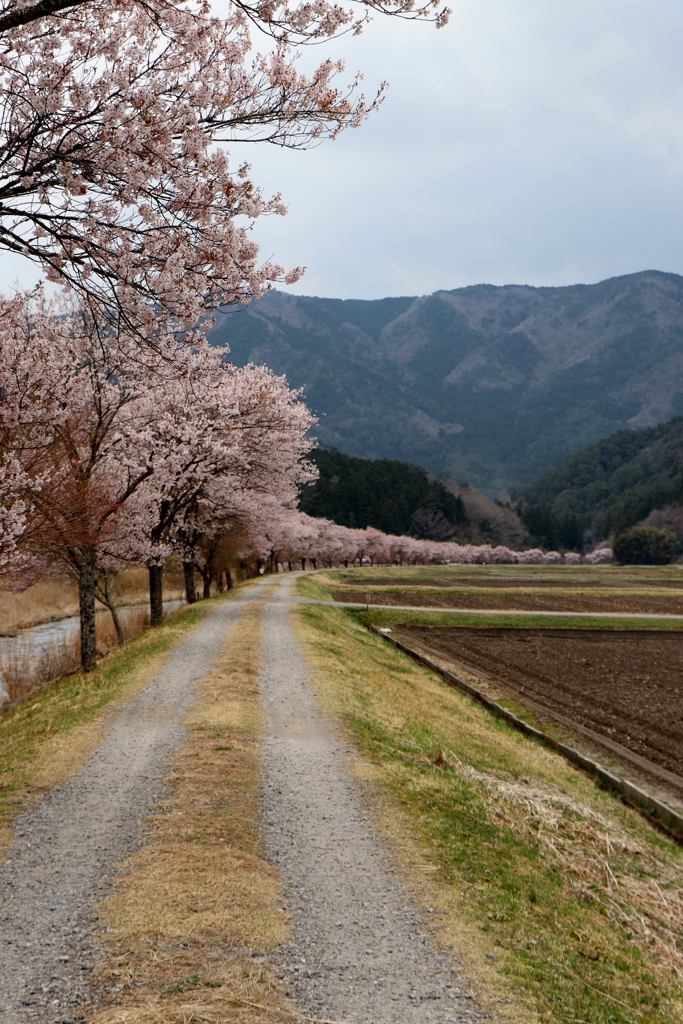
[[559, 896], [530, 620], [196, 910], [45, 737]]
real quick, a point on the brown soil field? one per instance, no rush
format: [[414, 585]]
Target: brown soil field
[[625, 684], [567, 601]]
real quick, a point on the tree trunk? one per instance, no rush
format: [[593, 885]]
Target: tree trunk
[[315, 562], [120, 638], [86, 607], [206, 576], [190, 592], [220, 586], [156, 596], [228, 578], [303, 563], [104, 590]]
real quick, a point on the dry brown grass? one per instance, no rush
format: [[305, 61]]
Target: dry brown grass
[[196, 911], [45, 601], [132, 585], [587, 847], [51, 600], [24, 670]]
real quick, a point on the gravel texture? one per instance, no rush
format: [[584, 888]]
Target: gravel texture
[[68, 847], [360, 950]]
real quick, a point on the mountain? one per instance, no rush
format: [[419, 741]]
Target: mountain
[[630, 477], [486, 384], [391, 496], [399, 498]]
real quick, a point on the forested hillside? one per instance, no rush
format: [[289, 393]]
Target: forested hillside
[[490, 385], [391, 496], [610, 485]]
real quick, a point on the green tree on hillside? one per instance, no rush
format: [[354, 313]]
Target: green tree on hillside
[[551, 532], [645, 545], [392, 496], [612, 485]]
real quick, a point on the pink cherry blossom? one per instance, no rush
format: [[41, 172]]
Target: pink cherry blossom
[[110, 174]]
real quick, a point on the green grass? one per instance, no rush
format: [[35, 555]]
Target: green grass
[[517, 837], [530, 620]]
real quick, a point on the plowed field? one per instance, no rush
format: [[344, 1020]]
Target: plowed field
[[625, 684], [565, 600]]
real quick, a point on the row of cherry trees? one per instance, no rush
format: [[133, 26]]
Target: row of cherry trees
[[112, 453], [295, 539]]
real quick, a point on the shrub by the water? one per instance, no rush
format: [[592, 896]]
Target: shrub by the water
[[645, 545]]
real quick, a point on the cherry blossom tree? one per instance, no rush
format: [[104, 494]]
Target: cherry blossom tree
[[600, 554], [230, 445], [113, 455], [74, 433], [110, 112], [12, 512]]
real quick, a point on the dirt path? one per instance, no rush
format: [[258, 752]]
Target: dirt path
[[68, 846], [360, 951]]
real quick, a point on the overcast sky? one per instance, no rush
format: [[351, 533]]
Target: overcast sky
[[530, 141]]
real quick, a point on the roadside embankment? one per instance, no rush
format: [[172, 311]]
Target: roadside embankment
[[556, 894]]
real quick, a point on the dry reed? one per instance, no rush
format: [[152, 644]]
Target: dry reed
[[52, 600], [25, 667], [134, 620], [45, 601], [589, 849]]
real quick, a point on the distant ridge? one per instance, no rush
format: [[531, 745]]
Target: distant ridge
[[485, 384], [616, 483]]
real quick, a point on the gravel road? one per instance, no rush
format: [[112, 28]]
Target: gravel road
[[360, 951], [68, 846]]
